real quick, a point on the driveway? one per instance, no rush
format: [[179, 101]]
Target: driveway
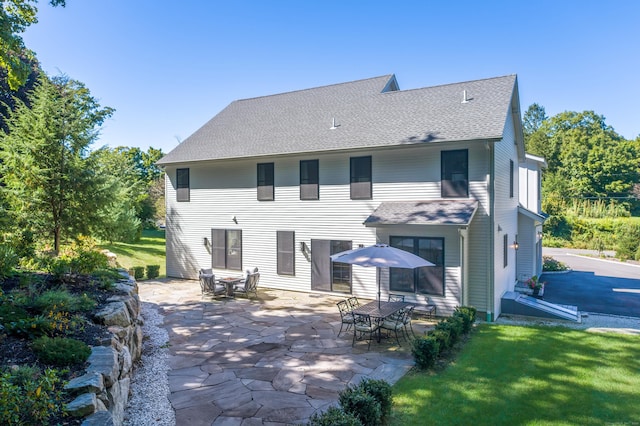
[[594, 285], [271, 360]]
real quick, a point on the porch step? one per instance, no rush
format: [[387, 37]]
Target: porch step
[[520, 304]]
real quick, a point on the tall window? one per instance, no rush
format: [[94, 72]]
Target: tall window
[[226, 249], [265, 182], [455, 174], [511, 178], [309, 180], [182, 185], [361, 178], [426, 280], [505, 250], [286, 252]]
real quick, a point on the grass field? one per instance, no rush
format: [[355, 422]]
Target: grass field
[[508, 375], [150, 250]]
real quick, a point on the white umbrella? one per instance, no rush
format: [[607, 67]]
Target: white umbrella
[[381, 256]]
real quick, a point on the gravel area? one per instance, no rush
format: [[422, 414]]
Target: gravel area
[[149, 403], [590, 322]]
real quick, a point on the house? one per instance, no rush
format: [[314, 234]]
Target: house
[[282, 182]]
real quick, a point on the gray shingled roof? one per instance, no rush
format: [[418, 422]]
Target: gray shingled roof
[[365, 116], [432, 212]]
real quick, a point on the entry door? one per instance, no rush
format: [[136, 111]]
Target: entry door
[[325, 274]]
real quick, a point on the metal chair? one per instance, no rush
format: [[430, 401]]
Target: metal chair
[[250, 285], [346, 316], [395, 323], [363, 326], [208, 283], [408, 312], [396, 297], [353, 302]]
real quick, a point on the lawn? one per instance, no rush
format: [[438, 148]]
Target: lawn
[[511, 375], [150, 250]]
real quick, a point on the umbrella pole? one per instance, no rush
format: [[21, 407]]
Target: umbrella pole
[[378, 287]]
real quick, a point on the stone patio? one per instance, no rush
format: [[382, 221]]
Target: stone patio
[[271, 360]]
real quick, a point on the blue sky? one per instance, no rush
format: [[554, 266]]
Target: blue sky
[[168, 67]]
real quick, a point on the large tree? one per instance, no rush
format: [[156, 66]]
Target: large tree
[[15, 17], [49, 181]]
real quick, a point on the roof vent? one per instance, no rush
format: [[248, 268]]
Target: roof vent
[[465, 99], [333, 124]]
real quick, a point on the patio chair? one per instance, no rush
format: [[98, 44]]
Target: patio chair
[[396, 297], [395, 323], [208, 283], [346, 316], [408, 312], [363, 326], [249, 285], [353, 302]]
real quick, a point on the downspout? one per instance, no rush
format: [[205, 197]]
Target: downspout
[[492, 237], [463, 235]]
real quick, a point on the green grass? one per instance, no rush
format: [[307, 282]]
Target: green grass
[[150, 250], [508, 375]]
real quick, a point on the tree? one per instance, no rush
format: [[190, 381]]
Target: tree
[[9, 97], [49, 181], [533, 118], [15, 17]]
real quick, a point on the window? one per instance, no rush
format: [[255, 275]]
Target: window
[[309, 180], [510, 178], [505, 249], [265, 182], [427, 280], [361, 178], [182, 185], [286, 252], [226, 249], [455, 173]]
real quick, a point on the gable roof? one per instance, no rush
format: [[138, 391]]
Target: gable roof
[[367, 113], [431, 212]]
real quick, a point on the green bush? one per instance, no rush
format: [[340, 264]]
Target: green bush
[[106, 278], [10, 313], [334, 416], [453, 325], [361, 405], [28, 397], [468, 316], [30, 327], [443, 337], [549, 264], [153, 271], [425, 351], [138, 272], [627, 240], [8, 260], [381, 391], [60, 351], [62, 300]]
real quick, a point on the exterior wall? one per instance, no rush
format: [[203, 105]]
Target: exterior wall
[[505, 214], [526, 255], [529, 187], [222, 190]]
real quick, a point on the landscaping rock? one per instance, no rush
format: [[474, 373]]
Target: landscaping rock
[[115, 313], [89, 382], [104, 360], [99, 418], [85, 404]]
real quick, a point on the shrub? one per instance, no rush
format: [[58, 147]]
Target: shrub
[[425, 351], [29, 327], [454, 326], [106, 278], [549, 264], [381, 391], [28, 397], [443, 337], [138, 272], [153, 271], [62, 300], [361, 405], [10, 313], [60, 351], [468, 316], [334, 416], [8, 260]]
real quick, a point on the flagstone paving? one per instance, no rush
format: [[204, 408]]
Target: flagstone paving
[[271, 360]]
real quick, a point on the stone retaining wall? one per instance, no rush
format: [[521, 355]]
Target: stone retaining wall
[[103, 391]]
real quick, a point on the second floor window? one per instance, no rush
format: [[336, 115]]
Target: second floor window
[[361, 178], [309, 180], [182, 185], [265, 182], [455, 174]]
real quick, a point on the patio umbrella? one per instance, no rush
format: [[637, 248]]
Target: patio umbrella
[[381, 256]]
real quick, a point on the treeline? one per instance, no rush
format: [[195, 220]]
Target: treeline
[[54, 186], [590, 188]]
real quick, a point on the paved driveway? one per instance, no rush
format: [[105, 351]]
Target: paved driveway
[[594, 285], [272, 360]]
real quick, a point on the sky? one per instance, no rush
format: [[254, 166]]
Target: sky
[[169, 67]]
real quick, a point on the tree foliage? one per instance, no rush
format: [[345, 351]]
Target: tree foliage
[[15, 17], [49, 181]]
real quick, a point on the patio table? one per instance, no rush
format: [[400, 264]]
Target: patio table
[[380, 311], [230, 283]]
